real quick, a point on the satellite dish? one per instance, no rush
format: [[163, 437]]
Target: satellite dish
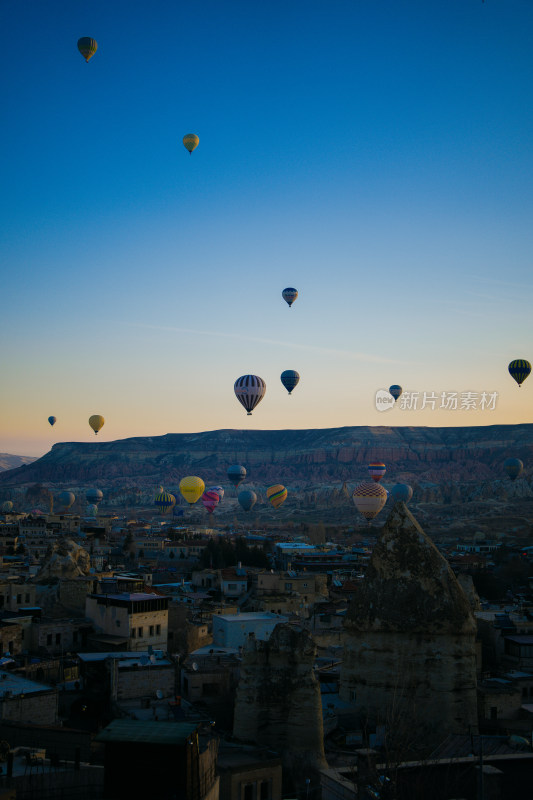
[[159, 694], [194, 666], [144, 660]]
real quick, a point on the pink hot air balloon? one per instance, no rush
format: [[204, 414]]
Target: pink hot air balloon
[[210, 499]]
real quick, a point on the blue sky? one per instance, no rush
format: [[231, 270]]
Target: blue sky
[[377, 156]]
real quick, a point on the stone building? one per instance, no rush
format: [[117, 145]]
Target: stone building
[[278, 701], [410, 660]]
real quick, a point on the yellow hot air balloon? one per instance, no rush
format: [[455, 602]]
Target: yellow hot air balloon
[[96, 422], [192, 488], [191, 142], [277, 494]]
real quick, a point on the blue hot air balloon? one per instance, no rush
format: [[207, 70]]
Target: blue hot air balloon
[[247, 499], [67, 499], [289, 295], [52, 420], [395, 391], [401, 492], [290, 379], [519, 369]]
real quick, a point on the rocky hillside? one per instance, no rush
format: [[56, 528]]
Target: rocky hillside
[[320, 457], [7, 461]]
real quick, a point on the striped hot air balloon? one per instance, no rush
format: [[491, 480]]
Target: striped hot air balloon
[[210, 500], [377, 470], [219, 490], [277, 495], [519, 369], [249, 391], [191, 142], [289, 295], [164, 502], [87, 47], [290, 378], [369, 499]]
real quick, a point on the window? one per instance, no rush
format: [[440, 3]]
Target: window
[[10, 647], [140, 632], [151, 630], [494, 712], [58, 638], [288, 587], [265, 790], [26, 598], [75, 637], [158, 630], [232, 587], [133, 633], [248, 792], [49, 638], [19, 599], [353, 696]]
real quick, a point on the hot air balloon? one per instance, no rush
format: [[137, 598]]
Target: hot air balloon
[[91, 510], [164, 502], [94, 496], [191, 142], [210, 500], [369, 499], [277, 495], [513, 467], [290, 379], [87, 47], [249, 390], [192, 488], [395, 391], [519, 369], [289, 295], [52, 420], [401, 492], [219, 490], [96, 422], [7, 506], [236, 474], [377, 470], [66, 499], [247, 499]]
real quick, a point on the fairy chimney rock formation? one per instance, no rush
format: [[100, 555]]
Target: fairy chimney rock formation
[[278, 699], [409, 659]]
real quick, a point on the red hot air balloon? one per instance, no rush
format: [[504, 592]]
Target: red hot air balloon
[[210, 500]]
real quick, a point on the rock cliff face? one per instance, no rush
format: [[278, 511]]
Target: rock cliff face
[[64, 559], [278, 700], [443, 456], [410, 655]]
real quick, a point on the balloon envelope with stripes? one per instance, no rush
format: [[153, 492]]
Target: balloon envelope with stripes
[[277, 495], [87, 47], [289, 295], [519, 369], [290, 379], [249, 391]]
